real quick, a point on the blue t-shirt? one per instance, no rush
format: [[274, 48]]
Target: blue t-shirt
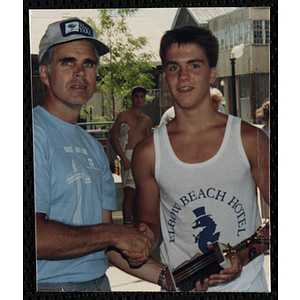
[[73, 183]]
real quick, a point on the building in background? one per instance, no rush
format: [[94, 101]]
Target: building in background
[[232, 26], [249, 26]]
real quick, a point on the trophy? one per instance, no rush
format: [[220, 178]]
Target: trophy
[[184, 278]]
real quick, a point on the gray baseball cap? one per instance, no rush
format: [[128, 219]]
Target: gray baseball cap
[[70, 30]]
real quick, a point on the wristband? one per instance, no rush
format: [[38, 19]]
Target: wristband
[[252, 252], [162, 276]]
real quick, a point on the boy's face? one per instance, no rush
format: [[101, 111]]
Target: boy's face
[[188, 75], [138, 99]]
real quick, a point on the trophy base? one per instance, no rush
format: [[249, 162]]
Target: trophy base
[[211, 262]]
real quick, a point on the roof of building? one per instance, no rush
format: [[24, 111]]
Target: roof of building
[[201, 15]]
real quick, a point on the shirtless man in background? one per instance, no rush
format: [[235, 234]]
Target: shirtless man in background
[[140, 127]]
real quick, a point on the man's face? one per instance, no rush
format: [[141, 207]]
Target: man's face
[[138, 99], [72, 79], [188, 75]]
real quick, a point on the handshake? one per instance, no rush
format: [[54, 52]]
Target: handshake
[[219, 264]]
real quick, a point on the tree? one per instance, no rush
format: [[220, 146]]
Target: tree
[[126, 65]]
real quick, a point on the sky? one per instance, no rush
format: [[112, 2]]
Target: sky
[[149, 22], [163, 17]]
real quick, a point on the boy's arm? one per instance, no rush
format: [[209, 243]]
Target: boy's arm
[[147, 200], [149, 270], [256, 145]]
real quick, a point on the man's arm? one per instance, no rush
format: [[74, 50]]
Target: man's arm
[[147, 191], [115, 134], [59, 241]]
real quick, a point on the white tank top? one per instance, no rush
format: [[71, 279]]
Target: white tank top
[[205, 202]]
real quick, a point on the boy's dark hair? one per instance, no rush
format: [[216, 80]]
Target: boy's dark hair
[[191, 35]]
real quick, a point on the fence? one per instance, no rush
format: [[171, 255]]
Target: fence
[[99, 130]]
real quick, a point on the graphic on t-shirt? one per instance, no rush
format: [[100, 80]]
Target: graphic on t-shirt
[[77, 218], [208, 234]]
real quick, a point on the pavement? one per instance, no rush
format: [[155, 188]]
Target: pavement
[[123, 282]]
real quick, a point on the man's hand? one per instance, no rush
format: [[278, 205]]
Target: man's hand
[[144, 228], [134, 245], [137, 259]]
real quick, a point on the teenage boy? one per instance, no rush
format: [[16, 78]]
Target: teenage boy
[[196, 177]]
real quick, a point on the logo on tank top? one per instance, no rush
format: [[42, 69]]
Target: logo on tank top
[[205, 222], [207, 235]]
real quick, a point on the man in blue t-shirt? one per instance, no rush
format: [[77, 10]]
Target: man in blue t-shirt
[[74, 189]]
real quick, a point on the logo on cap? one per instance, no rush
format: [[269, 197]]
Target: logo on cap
[[75, 27]]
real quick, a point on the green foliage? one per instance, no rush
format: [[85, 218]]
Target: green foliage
[[126, 65], [86, 113]]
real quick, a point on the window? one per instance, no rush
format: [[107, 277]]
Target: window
[[222, 38], [231, 37], [241, 35], [267, 32], [257, 32], [247, 33], [261, 32], [226, 39], [244, 86], [236, 34]]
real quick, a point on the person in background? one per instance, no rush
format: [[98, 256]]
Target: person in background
[[140, 126], [196, 177], [217, 97], [263, 114]]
